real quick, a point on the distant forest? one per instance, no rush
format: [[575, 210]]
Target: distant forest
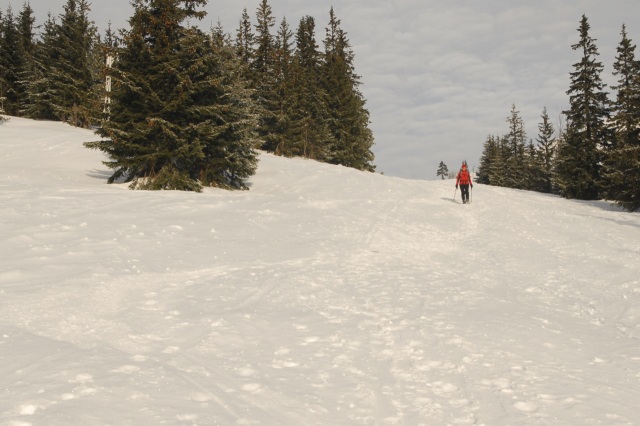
[[596, 152], [181, 108]]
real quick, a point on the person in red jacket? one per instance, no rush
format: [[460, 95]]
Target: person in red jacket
[[464, 180]]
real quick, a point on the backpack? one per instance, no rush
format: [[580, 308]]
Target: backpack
[[464, 177]]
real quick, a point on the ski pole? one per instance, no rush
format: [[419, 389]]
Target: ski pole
[[454, 193]]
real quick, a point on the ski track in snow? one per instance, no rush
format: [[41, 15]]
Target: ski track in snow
[[321, 296]]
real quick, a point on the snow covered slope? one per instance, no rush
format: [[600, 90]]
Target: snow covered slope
[[322, 296]]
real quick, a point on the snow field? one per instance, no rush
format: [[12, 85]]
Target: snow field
[[321, 296]]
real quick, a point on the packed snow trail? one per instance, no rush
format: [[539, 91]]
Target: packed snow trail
[[321, 296]]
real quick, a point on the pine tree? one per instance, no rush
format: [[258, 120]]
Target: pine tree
[[622, 165], [231, 115], [546, 153], [16, 59], [443, 170], [2, 65], [348, 120], [279, 133], [40, 92], [10, 61], [245, 41], [492, 170], [264, 40], [75, 89], [264, 71], [579, 157], [515, 147], [486, 159], [309, 135], [27, 45], [181, 115], [531, 170]]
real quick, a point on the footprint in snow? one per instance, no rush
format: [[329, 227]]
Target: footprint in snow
[[278, 364], [27, 409], [199, 397], [309, 340], [82, 378], [252, 387], [171, 350], [247, 372], [126, 369], [526, 407]]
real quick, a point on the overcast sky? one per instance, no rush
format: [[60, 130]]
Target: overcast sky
[[438, 76]]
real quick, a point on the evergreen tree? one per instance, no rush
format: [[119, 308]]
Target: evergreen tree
[[443, 170], [230, 131], [491, 170], [309, 136], [531, 170], [181, 115], [348, 120], [622, 165], [40, 92], [74, 82], [579, 157], [515, 147], [26, 45], [264, 40], [264, 70], [278, 132], [16, 58], [3, 83], [546, 153], [2, 67], [10, 61], [245, 41]]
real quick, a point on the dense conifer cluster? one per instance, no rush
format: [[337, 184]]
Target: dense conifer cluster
[[597, 154], [187, 108]]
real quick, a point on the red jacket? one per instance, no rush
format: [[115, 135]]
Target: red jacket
[[463, 178]]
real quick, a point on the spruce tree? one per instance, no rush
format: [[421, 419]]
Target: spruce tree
[[278, 133], [264, 40], [532, 170], [75, 89], [16, 58], [514, 176], [2, 65], [622, 164], [443, 170], [10, 61], [580, 156], [245, 41], [546, 152], [40, 91], [348, 119], [310, 135], [27, 45], [486, 159], [264, 70], [181, 116], [229, 114], [492, 165]]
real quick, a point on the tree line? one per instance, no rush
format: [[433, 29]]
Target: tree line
[[188, 108], [596, 152]]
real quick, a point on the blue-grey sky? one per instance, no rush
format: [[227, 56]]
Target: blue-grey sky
[[438, 76]]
